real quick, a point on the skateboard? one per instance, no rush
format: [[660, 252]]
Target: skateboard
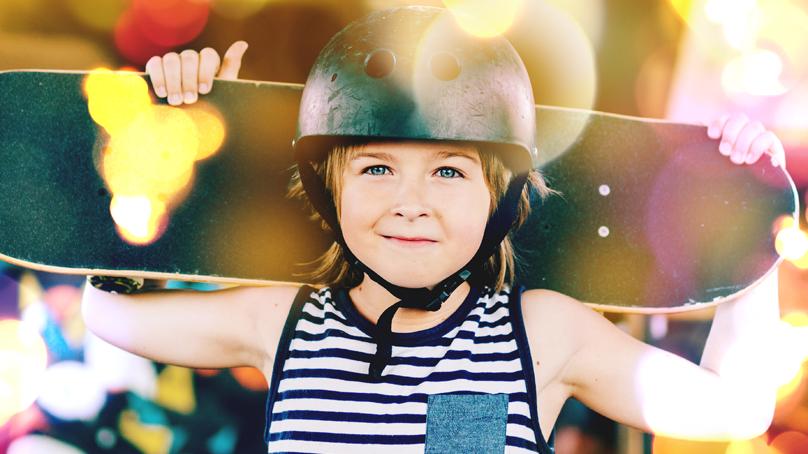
[[649, 216]]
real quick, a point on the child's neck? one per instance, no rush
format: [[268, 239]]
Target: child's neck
[[371, 299]]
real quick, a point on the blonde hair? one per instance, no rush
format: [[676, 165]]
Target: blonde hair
[[333, 269]]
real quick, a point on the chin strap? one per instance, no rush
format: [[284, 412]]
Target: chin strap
[[498, 226]]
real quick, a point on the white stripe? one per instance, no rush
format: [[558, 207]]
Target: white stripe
[[514, 430], [328, 324], [389, 389], [339, 448], [427, 351], [353, 428], [371, 408], [404, 370], [519, 408]]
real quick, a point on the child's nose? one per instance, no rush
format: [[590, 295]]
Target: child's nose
[[411, 200]]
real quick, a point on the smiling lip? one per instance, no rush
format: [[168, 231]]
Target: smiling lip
[[413, 241]]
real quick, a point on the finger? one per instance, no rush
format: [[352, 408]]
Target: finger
[[154, 67], [190, 75], [778, 152], [745, 138], [231, 63], [714, 127], [761, 143], [730, 132], [208, 65], [172, 69]]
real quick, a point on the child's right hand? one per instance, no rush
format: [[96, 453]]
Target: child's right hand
[[182, 77]]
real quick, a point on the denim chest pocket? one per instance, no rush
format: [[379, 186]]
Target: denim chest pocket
[[466, 423]]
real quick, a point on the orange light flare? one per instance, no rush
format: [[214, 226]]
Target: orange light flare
[[148, 160], [484, 18], [791, 242]]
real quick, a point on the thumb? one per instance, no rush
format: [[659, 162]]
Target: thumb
[[231, 63]]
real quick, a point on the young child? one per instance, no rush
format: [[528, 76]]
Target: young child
[[414, 146]]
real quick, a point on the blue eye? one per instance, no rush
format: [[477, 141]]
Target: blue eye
[[448, 172], [375, 170]]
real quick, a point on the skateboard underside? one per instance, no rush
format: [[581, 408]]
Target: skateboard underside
[[650, 217]]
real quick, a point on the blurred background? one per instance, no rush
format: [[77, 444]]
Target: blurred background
[[65, 391]]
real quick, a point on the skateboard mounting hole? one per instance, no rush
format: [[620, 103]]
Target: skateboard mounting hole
[[102, 192], [546, 227], [333, 77], [380, 63], [445, 66], [604, 190], [603, 231]]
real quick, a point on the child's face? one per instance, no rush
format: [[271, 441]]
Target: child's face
[[414, 212]]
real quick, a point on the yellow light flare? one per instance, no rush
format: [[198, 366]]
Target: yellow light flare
[[138, 218], [682, 8], [754, 446], [484, 18], [210, 129], [23, 360], [116, 98], [792, 243], [149, 159]]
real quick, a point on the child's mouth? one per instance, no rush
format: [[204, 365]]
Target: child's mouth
[[410, 241]]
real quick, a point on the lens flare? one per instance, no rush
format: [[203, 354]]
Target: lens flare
[[756, 73], [791, 242], [484, 18], [682, 8], [23, 359], [148, 161]]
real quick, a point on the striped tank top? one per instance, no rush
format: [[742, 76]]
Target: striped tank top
[[465, 385]]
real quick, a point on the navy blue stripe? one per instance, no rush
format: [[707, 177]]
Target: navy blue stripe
[[521, 443], [402, 380], [327, 315], [439, 342], [359, 439], [373, 397], [354, 355], [349, 417]]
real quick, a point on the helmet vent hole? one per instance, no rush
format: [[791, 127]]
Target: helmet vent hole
[[445, 66], [380, 63]]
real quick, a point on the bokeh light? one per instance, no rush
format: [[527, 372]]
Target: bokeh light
[[755, 73], [119, 370], [791, 442], [170, 23], [72, 391], [791, 242], [23, 359], [148, 162], [30, 444], [484, 18], [97, 14]]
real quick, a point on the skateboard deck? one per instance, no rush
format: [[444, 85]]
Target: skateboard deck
[[650, 217]]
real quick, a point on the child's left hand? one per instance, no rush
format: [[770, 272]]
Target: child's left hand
[[744, 141]]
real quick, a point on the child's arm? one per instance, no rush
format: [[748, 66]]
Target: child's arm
[[233, 327], [731, 395]]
